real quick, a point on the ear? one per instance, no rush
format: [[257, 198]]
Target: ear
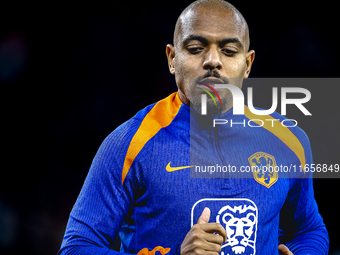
[[250, 56], [170, 53]]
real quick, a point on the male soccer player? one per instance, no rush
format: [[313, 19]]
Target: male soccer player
[[148, 179]]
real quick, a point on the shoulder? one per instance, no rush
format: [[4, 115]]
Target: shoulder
[[145, 123], [291, 125], [109, 159], [287, 131], [120, 138], [125, 143], [295, 138]]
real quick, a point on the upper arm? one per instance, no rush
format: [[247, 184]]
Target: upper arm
[[104, 202], [301, 225]]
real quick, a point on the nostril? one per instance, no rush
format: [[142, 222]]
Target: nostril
[[208, 67], [212, 67]]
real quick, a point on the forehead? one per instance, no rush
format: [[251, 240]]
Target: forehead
[[212, 23]]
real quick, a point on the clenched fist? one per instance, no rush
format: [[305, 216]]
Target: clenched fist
[[201, 239]]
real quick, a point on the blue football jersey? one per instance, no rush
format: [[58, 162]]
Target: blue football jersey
[[153, 176]]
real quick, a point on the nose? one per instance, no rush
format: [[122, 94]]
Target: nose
[[212, 60]]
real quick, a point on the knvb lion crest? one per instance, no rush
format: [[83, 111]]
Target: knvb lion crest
[[263, 167], [238, 216]]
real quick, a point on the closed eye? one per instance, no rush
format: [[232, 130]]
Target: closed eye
[[194, 50], [229, 52]]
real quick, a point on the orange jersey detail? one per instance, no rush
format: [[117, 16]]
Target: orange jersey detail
[[160, 116], [283, 133], [162, 250]]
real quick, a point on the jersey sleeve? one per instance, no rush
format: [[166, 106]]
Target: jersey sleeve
[[106, 200], [301, 226], [102, 204], [105, 205]]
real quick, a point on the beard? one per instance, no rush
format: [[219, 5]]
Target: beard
[[212, 109], [195, 95]]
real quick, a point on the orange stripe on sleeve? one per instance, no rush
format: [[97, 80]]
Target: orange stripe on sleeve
[[160, 116], [162, 250], [283, 133]]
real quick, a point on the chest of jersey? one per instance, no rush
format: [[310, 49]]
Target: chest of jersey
[[184, 177]]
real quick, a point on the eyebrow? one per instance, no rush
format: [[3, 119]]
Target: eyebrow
[[231, 40], [199, 38], [204, 41]]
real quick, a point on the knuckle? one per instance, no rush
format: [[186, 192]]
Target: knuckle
[[222, 229], [220, 239], [219, 248], [198, 251], [216, 248], [196, 236], [196, 244], [196, 226], [220, 226]]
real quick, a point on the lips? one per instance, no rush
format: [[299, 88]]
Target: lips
[[210, 81]]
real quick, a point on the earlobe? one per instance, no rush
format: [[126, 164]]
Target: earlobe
[[250, 56], [170, 53]]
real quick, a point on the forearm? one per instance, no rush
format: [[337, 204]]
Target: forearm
[[312, 242]]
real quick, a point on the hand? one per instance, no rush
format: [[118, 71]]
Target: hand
[[283, 250], [201, 238]]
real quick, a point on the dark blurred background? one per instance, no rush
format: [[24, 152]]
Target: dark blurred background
[[71, 73]]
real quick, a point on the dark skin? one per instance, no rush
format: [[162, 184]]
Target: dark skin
[[201, 240], [210, 40]]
